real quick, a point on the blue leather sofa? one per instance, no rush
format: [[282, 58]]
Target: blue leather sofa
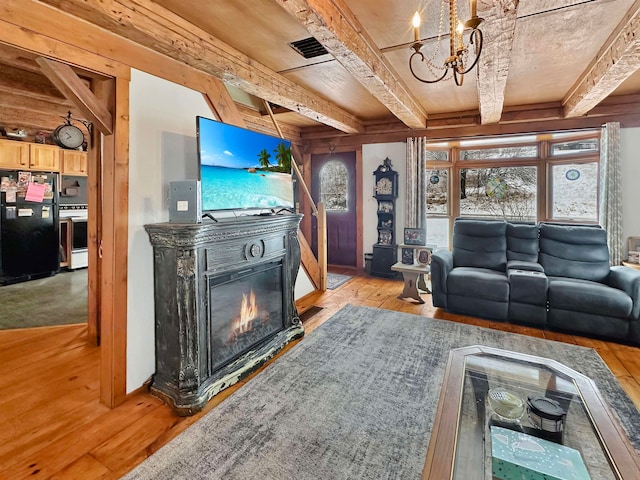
[[547, 275]]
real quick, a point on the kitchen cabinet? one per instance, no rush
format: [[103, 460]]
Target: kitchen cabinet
[[74, 162], [14, 154], [37, 156], [44, 157]]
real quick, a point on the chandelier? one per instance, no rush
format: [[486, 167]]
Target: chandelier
[[460, 60]]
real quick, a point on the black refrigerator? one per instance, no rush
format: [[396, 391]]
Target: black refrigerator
[[29, 241]]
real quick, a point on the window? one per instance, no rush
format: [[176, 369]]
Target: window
[[438, 207], [575, 192], [508, 193], [438, 232], [437, 192], [334, 179], [546, 177], [437, 155], [528, 151], [589, 145]]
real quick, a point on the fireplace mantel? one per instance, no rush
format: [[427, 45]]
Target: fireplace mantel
[[188, 258]]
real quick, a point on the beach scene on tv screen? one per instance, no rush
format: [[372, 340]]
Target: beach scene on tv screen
[[243, 169]]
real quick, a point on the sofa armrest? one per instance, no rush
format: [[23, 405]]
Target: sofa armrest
[[524, 265], [441, 265], [627, 280]]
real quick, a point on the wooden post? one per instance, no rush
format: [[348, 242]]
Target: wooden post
[[322, 245]]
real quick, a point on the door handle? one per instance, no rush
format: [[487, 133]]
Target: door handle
[[100, 250]]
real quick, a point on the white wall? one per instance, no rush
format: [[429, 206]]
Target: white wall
[[162, 149], [630, 159], [372, 156]]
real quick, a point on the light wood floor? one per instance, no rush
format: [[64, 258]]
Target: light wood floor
[[53, 425]]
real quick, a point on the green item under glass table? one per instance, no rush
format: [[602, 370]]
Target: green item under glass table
[[583, 426]]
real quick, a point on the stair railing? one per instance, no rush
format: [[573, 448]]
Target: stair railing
[[320, 278]]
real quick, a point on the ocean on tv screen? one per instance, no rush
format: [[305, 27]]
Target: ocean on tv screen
[[238, 188]]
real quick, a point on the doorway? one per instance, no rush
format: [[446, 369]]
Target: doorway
[[334, 182], [103, 100]]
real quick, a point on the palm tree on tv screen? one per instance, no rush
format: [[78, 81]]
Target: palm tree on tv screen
[[283, 156], [264, 157]]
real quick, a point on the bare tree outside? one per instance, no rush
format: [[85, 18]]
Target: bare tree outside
[[507, 193], [333, 186]]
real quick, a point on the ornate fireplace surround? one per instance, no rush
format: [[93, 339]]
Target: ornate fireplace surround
[[189, 261]]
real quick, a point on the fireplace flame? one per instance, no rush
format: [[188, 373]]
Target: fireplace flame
[[248, 313]]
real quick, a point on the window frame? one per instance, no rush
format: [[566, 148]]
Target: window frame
[[543, 163]]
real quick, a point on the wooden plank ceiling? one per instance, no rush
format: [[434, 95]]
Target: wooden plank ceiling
[[559, 58], [28, 99]]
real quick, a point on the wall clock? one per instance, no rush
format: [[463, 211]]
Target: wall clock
[[384, 186], [386, 180], [68, 135]]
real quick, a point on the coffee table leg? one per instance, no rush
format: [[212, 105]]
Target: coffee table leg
[[410, 288]]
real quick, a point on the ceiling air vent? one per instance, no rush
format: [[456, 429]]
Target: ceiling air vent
[[308, 47]]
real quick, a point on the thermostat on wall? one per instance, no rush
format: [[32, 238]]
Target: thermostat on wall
[[185, 204]]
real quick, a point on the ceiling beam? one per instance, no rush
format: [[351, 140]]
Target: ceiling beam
[[534, 117], [616, 61], [221, 104], [147, 23], [22, 81], [352, 141], [333, 24], [254, 120], [493, 67], [75, 90]]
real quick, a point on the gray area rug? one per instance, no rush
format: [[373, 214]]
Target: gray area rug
[[334, 280], [356, 399]]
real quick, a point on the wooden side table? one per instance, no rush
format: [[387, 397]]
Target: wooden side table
[[631, 265], [410, 273]]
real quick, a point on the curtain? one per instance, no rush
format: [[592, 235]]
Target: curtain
[[610, 215], [416, 206]]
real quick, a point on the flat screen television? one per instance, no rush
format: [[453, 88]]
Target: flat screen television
[[241, 169]]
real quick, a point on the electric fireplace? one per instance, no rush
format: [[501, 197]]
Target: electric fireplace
[[246, 308], [224, 302]]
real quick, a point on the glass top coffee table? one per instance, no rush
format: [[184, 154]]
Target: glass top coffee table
[[460, 447]]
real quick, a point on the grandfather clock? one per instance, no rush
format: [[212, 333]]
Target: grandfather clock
[[385, 191]]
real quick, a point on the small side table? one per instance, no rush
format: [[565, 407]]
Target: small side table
[[631, 265], [410, 274]]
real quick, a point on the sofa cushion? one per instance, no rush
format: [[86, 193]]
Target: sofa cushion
[[524, 265], [479, 283], [522, 242], [574, 252], [480, 243], [588, 297]]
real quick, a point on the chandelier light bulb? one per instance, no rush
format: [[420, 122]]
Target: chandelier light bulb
[[416, 26], [460, 31]]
